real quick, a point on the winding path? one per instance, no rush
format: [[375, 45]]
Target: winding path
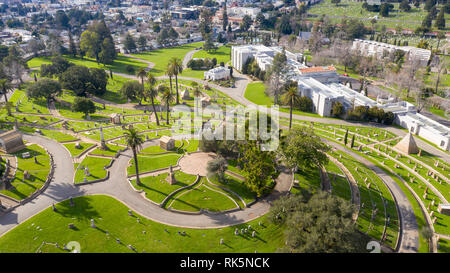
[[409, 231], [62, 187]]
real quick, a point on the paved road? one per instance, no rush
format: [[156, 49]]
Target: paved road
[[409, 235], [62, 188]]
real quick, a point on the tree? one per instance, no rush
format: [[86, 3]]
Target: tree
[[428, 234], [426, 23], [72, 46], [384, 10], [151, 92], [440, 35], [97, 42], [208, 45], [346, 137], [163, 37], [14, 64], [134, 141], [284, 26], [44, 88], [5, 87], [217, 167], [83, 105], [225, 18], [167, 97], [429, 4], [132, 90], [279, 62], [90, 43], [246, 23], [173, 35], [291, 98], [176, 67], [352, 143], [83, 80], [259, 165], [58, 66], [336, 2], [142, 41], [129, 43], [302, 148], [141, 74], [305, 104], [404, 6], [317, 223], [440, 20], [197, 93], [337, 109]]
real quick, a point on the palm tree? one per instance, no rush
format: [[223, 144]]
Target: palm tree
[[168, 98], [177, 68], [5, 86], [197, 93], [141, 74], [152, 92], [134, 141], [169, 73], [151, 79], [292, 98]]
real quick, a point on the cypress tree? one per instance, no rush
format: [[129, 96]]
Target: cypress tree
[[353, 141], [345, 137]]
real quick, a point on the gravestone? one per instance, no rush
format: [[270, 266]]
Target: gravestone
[[130, 213], [92, 224], [221, 241], [26, 175], [71, 226], [253, 234]]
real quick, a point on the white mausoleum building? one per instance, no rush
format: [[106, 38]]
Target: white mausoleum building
[[378, 49], [217, 73]]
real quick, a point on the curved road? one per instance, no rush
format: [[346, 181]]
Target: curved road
[[61, 187]]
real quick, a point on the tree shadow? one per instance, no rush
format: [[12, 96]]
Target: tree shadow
[[81, 209]]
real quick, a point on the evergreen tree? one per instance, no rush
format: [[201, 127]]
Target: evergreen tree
[[440, 20]]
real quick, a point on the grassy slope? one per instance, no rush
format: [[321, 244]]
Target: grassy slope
[[112, 216]]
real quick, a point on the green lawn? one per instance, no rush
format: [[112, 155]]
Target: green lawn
[[161, 57], [222, 54], [77, 151], [156, 188], [112, 150], [95, 166], [119, 65], [255, 93], [22, 188], [236, 186], [202, 197], [112, 216], [149, 163], [346, 8]]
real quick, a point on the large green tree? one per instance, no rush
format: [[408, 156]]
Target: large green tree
[[317, 223], [259, 166], [132, 90], [83, 105], [44, 88], [303, 149]]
